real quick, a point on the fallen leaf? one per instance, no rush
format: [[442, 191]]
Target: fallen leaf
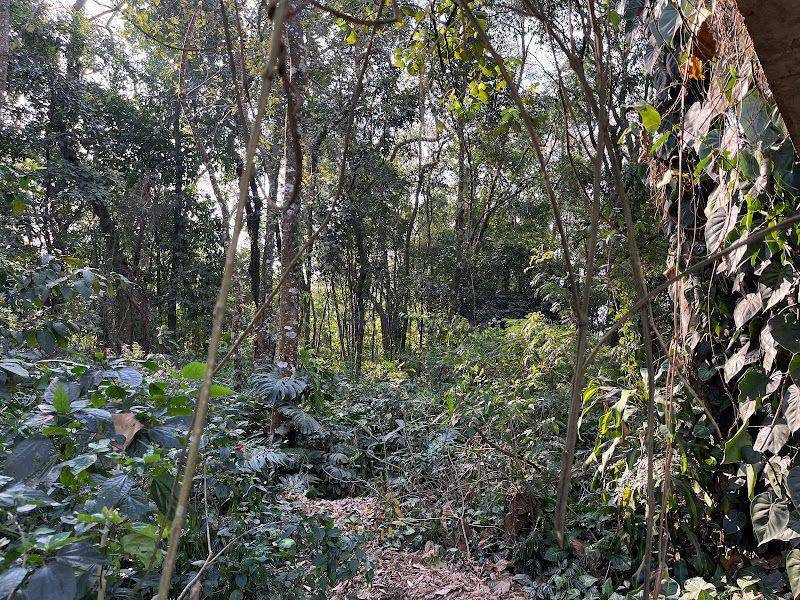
[[127, 425]]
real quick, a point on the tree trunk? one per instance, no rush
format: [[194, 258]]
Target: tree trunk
[[295, 77], [5, 34], [177, 251], [775, 30], [264, 346]]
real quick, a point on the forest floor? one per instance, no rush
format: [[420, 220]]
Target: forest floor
[[401, 575]]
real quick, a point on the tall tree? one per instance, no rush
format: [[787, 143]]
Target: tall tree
[[295, 78]]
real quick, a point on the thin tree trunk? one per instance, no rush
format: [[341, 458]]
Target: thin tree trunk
[[295, 79], [5, 34]]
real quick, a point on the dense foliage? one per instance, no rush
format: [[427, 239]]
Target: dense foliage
[[521, 274]]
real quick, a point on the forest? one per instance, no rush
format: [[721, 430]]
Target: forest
[[399, 299]]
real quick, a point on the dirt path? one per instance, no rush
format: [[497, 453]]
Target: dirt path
[[400, 575]]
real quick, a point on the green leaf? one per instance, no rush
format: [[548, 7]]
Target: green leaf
[[734, 446], [650, 117], [30, 457], [52, 582], [770, 517], [786, 331], [351, 38], [10, 579], [218, 391], [18, 207], [753, 385], [161, 491], [61, 400], [195, 371]]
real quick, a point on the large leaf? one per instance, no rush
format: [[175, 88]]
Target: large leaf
[[161, 492], [772, 437], [55, 581], [81, 555], [14, 366], [747, 308], [122, 492], [276, 386], [753, 384], [719, 225], [650, 117], [10, 579], [128, 376], [195, 371], [302, 420], [786, 331], [735, 445], [30, 457], [737, 361], [793, 483], [665, 24], [61, 400], [770, 517]]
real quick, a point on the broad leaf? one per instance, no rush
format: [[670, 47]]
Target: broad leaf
[[770, 517], [650, 117], [10, 579], [771, 438], [55, 581], [31, 456], [734, 446], [747, 308], [753, 385], [786, 331], [81, 555], [195, 371]]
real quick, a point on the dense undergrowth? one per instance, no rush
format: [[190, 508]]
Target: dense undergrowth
[[459, 446]]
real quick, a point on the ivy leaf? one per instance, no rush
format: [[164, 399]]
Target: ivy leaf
[[786, 331], [770, 517], [195, 371]]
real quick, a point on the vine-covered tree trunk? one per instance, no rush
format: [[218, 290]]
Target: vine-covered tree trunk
[[295, 77]]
